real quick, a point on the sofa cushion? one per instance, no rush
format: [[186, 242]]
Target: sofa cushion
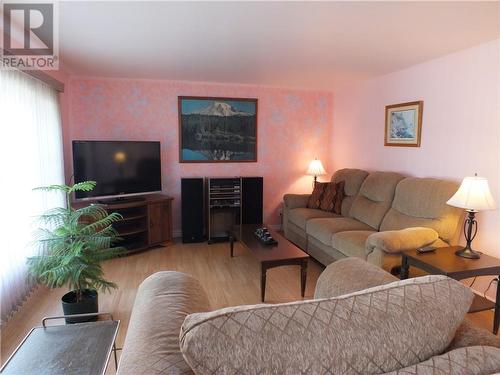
[[469, 334], [323, 228], [375, 197], [343, 276], [368, 332], [464, 361], [332, 197], [353, 179], [421, 202], [152, 344], [352, 243], [300, 216]]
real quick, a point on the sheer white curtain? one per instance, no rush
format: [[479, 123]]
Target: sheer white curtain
[[30, 156]]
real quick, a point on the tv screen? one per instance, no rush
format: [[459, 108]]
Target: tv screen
[[119, 167]]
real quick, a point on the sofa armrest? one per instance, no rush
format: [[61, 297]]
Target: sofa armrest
[[162, 302], [396, 241], [296, 200]]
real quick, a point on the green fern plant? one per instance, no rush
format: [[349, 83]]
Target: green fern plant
[[73, 243]]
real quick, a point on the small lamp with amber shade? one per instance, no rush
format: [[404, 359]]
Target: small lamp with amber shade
[[473, 195], [316, 169]]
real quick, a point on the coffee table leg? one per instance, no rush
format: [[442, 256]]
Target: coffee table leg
[[405, 268], [303, 276], [231, 244], [496, 317], [263, 270]]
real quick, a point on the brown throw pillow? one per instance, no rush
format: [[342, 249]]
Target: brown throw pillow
[[331, 200], [315, 198]]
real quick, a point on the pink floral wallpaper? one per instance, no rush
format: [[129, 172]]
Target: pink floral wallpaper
[[293, 128]]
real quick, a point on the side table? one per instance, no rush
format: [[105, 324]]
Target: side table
[[443, 261], [82, 348]]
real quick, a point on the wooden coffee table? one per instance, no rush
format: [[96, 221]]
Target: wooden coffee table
[[283, 254], [443, 261]]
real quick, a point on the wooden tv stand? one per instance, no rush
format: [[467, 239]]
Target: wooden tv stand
[[146, 222]]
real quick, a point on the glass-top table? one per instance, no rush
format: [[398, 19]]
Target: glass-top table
[[71, 349]]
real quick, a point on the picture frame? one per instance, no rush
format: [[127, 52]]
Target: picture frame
[[403, 124], [217, 129]]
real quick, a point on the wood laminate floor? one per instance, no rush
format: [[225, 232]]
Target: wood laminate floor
[[228, 282]]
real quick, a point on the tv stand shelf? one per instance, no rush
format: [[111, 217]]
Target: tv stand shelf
[[134, 217], [131, 230], [146, 222]]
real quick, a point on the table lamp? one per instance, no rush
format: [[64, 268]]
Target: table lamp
[[473, 195], [316, 169]]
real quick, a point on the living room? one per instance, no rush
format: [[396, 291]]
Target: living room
[[316, 90]]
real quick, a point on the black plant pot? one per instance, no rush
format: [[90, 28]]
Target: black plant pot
[[88, 304]]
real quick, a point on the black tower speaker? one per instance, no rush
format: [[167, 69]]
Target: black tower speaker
[[192, 210], [251, 200]]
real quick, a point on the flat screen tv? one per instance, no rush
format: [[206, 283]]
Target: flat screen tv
[[120, 168]]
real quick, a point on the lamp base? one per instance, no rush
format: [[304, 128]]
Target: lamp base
[[470, 230], [467, 252]]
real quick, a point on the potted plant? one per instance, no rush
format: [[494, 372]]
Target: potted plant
[[72, 244]]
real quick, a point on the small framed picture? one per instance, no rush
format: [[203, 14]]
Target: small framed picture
[[403, 124]]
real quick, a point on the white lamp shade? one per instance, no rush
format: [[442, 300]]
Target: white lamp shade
[[316, 168], [473, 194]]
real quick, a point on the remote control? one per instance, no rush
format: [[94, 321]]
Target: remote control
[[426, 249]]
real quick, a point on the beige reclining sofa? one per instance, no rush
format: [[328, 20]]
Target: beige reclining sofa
[[368, 325], [383, 213]]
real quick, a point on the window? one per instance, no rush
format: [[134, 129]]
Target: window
[[30, 156]]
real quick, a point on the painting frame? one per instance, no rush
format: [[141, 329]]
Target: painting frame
[[415, 125], [180, 101]]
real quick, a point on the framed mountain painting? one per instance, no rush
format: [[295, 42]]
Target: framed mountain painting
[[219, 130], [403, 124]]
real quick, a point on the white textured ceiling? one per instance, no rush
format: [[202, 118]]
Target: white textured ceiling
[[293, 44]]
